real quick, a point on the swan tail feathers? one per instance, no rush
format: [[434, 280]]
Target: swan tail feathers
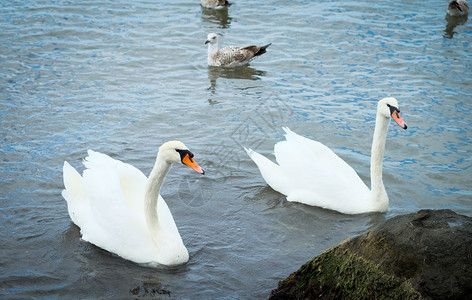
[[270, 171], [291, 136], [73, 182], [98, 159], [287, 130], [74, 193]]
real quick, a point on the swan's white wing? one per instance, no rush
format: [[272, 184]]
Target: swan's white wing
[[310, 173], [317, 175], [108, 205], [114, 225], [132, 180], [271, 172], [324, 165], [166, 220], [80, 209], [133, 187], [74, 194]]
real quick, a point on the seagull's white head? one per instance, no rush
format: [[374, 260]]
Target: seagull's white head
[[212, 38]]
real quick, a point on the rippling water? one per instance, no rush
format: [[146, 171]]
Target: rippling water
[[122, 77]]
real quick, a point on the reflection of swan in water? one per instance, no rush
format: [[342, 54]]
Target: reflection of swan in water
[[216, 16], [244, 72], [457, 14]]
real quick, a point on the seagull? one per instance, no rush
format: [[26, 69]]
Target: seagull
[[458, 8], [216, 4], [231, 56]]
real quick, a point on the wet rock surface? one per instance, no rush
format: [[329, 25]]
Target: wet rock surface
[[423, 255]]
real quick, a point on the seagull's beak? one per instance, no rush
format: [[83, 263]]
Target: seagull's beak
[[192, 164], [207, 41]]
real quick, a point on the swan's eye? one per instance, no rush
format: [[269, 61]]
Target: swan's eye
[[393, 109], [183, 153]]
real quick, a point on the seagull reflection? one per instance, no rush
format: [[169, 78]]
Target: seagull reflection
[[216, 16], [244, 72], [457, 14], [452, 23]]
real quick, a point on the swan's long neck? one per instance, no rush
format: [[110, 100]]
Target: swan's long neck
[[378, 193], [153, 187]]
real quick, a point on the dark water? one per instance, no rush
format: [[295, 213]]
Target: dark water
[[122, 77]]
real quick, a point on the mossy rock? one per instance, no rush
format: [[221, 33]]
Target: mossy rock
[[425, 255]]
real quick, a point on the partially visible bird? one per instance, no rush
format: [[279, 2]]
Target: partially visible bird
[[458, 8], [216, 4], [231, 56]]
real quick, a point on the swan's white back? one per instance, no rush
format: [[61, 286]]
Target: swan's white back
[[107, 203], [309, 172]]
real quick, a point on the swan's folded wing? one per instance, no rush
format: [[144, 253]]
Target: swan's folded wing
[[113, 225], [321, 158], [98, 160], [166, 220], [133, 185], [312, 166], [132, 180], [270, 171], [116, 220], [111, 211]]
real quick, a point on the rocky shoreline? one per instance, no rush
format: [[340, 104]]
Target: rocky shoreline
[[423, 255]]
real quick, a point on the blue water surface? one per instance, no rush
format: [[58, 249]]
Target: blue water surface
[[122, 77]]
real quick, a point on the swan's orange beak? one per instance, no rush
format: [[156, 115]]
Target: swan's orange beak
[[192, 164], [396, 116]]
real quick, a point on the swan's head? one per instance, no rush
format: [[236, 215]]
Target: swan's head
[[212, 38], [175, 152], [388, 107]]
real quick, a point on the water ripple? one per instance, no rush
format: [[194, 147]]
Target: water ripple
[[121, 77]]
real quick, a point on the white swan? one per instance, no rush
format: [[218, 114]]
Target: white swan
[[120, 210], [309, 172]]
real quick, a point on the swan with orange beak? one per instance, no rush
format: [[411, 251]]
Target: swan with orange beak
[[395, 114], [308, 172], [187, 159], [121, 210]]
